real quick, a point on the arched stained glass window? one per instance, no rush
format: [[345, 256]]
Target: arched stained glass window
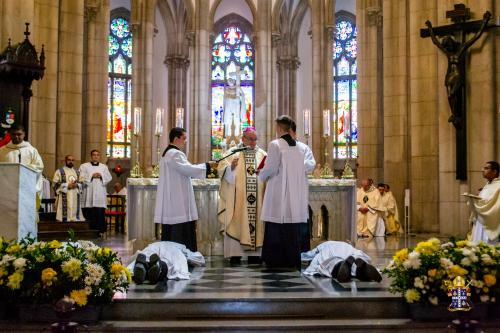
[[345, 87], [232, 49], [119, 88]]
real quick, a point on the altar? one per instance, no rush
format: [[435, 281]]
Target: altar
[[332, 212]]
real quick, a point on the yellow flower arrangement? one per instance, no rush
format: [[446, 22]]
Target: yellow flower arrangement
[[15, 280], [422, 274], [48, 276], [55, 244], [73, 268], [79, 296]]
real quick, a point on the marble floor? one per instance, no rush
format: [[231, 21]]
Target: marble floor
[[218, 279]]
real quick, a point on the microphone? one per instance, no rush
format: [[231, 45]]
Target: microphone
[[237, 150], [19, 157]]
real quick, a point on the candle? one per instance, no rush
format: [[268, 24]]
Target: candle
[[159, 121], [307, 122], [179, 117], [326, 122], [137, 120]]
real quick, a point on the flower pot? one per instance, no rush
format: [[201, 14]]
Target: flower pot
[[428, 312], [46, 313]]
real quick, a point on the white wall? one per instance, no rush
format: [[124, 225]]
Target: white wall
[[304, 73], [347, 5], [119, 3], [239, 7]]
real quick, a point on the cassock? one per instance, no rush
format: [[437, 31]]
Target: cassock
[[305, 231], [390, 213], [486, 213], [240, 203], [326, 255], [285, 203], [175, 205], [68, 201], [371, 223], [94, 193], [176, 256], [26, 154]]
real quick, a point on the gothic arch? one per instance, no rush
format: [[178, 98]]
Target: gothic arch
[[217, 3], [177, 20]]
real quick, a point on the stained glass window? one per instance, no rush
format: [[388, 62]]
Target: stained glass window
[[345, 88], [232, 50], [119, 88]]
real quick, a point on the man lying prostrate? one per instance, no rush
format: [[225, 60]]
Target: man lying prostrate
[[341, 261], [166, 259]]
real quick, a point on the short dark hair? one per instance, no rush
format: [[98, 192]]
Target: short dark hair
[[175, 132], [17, 128], [494, 166], [381, 185], [94, 150], [293, 127], [284, 122]]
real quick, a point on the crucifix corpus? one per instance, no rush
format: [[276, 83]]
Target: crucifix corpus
[[452, 41]]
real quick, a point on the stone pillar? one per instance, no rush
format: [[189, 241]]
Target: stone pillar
[[395, 99], [424, 111], [264, 73], [142, 18], [287, 84], [199, 117], [370, 111], [69, 77], [44, 102], [13, 15], [177, 66], [95, 92]]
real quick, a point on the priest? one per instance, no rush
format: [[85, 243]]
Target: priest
[[369, 218], [20, 151], [390, 210], [285, 203], [175, 207], [95, 176], [240, 201], [68, 187]]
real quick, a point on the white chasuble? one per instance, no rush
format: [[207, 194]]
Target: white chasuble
[[368, 223], [486, 213], [68, 201], [26, 154]]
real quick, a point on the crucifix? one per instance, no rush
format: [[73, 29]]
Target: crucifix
[[452, 41]]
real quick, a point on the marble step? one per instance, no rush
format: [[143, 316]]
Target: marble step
[[250, 308], [63, 235], [62, 226]]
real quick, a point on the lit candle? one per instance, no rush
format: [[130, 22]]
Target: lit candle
[[326, 122], [159, 121], [179, 117], [307, 122], [137, 120]]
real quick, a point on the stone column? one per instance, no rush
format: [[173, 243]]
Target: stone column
[[370, 111], [142, 18], [69, 77], [264, 73], [177, 66], [13, 15], [424, 111], [44, 102], [199, 117], [395, 99], [287, 82], [95, 92]]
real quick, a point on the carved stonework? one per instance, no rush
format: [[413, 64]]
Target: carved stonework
[[275, 39], [374, 15], [191, 38], [290, 63], [330, 31], [90, 13], [176, 61]]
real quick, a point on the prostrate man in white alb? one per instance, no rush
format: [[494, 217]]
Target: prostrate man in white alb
[[68, 187], [285, 203], [341, 261], [486, 209], [20, 151], [240, 201], [175, 207], [96, 176]]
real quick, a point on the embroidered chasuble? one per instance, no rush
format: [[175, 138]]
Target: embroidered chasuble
[[240, 200], [367, 223], [68, 201]]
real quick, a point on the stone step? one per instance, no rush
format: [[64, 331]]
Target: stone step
[[63, 235], [251, 308]]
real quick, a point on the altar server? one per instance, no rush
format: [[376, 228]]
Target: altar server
[[95, 176], [68, 187], [175, 205]]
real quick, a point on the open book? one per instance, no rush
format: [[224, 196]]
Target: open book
[[469, 195]]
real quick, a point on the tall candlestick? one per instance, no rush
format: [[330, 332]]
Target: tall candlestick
[[159, 121], [179, 117], [326, 122], [307, 122], [137, 120]]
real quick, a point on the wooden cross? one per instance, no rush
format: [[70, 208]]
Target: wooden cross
[[452, 41]]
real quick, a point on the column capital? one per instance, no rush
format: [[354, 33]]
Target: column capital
[[275, 38], [90, 12], [290, 63], [176, 61], [374, 15], [190, 37]]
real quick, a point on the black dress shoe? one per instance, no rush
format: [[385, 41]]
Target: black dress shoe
[[154, 270], [366, 272], [254, 260], [164, 271], [140, 269], [235, 261], [344, 273]]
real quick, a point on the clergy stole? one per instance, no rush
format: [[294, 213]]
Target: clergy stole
[[64, 196], [251, 194]]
